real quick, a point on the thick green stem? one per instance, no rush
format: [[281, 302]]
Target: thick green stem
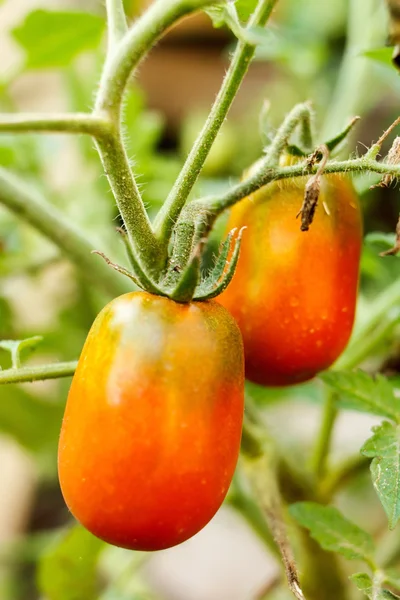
[[38, 373], [24, 202], [243, 501], [362, 347], [353, 89], [61, 123], [134, 46], [265, 174], [378, 310], [116, 23], [325, 435], [172, 207], [261, 473], [119, 174]]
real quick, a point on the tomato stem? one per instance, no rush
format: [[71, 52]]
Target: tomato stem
[[244, 52], [138, 41], [48, 220], [299, 115], [353, 83], [38, 373], [126, 192], [73, 123], [116, 23], [261, 472], [324, 438]]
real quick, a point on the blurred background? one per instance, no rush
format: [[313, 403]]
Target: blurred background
[[51, 55]]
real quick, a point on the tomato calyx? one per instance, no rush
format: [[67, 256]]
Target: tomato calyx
[[173, 269], [185, 283]]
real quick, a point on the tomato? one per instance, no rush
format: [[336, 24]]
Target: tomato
[[152, 427], [294, 292]]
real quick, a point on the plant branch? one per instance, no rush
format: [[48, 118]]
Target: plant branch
[[22, 200], [366, 340], [242, 500], [39, 373], [352, 91], [341, 475], [134, 46], [47, 123], [116, 23], [126, 193], [324, 437], [266, 174], [300, 115], [172, 207], [261, 472]]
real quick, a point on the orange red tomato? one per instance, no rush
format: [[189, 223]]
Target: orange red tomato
[[294, 293], [152, 426]]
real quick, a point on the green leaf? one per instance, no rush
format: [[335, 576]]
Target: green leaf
[[53, 39], [371, 588], [245, 8], [381, 55], [359, 391], [332, 530], [68, 571], [384, 448]]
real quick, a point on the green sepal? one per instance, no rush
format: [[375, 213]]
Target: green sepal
[[138, 275], [334, 142], [211, 289], [220, 264], [188, 281], [294, 150], [150, 286]]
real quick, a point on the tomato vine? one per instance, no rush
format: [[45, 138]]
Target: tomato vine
[[165, 253]]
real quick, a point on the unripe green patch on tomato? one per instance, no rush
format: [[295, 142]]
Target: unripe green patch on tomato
[[152, 427]]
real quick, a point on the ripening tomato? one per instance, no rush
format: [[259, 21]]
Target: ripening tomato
[[152, 427], [294, 292]]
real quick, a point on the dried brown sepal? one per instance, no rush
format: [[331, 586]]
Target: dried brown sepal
[[309, 206], [396, 248], [393, 158], [313, 187], [313, 158]]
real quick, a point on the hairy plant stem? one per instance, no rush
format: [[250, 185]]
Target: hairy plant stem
[[38, 373], [260, 467], [126, 193], [267, 173], [173, 205], [48, 123], [271, 476], [301, 114], [116, 23], [22, 200], [134, 46]]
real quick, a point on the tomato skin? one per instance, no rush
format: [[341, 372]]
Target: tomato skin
[[152, 427], [294, 293]]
